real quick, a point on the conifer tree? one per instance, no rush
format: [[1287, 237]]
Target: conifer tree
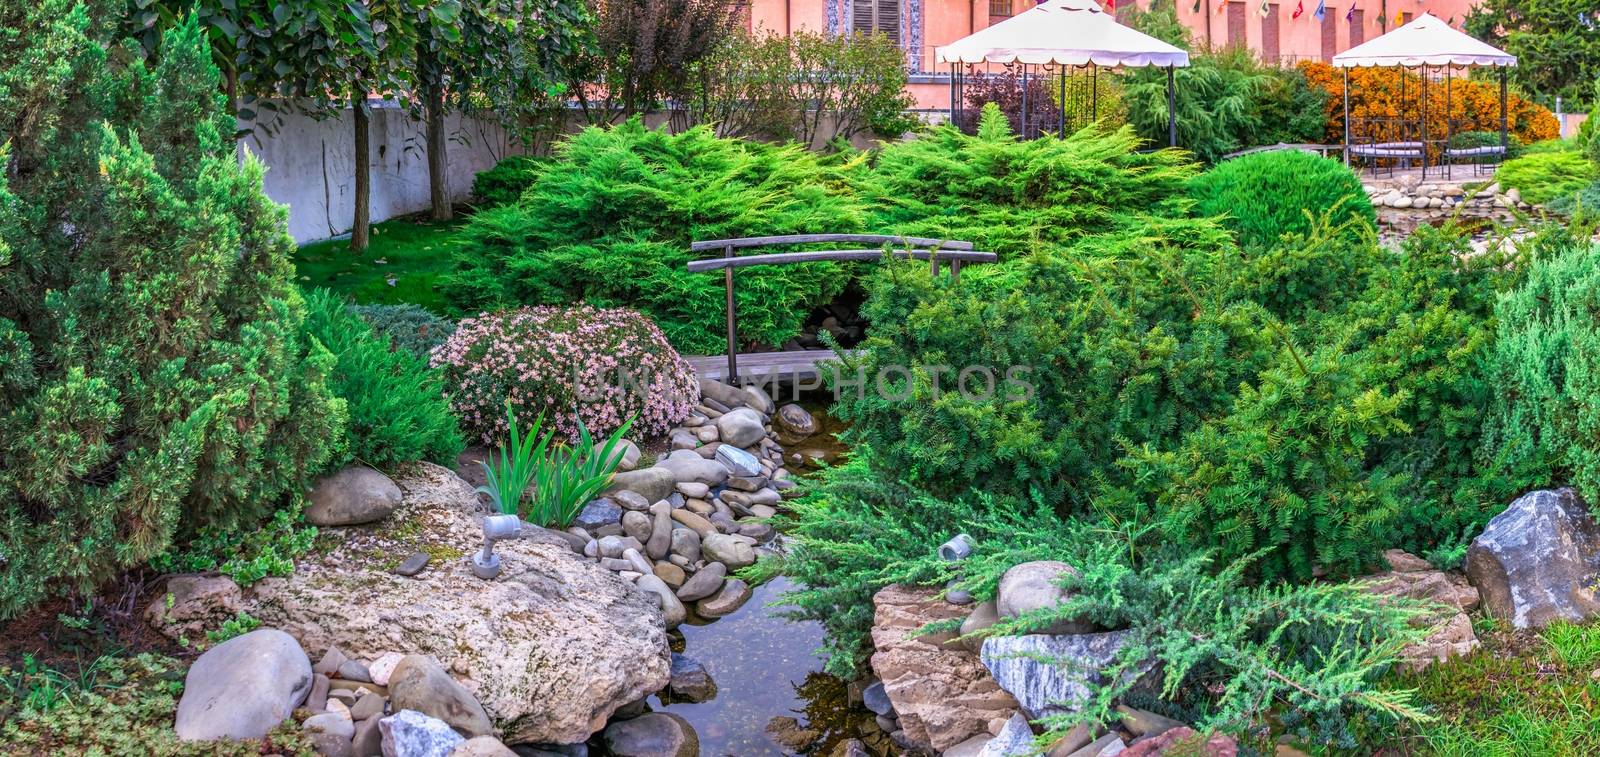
[[153, 379]]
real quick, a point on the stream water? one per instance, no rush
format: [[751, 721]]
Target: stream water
[[767, 666]]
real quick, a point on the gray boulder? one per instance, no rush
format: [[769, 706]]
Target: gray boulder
[[419, 684], [1033, 586], [733, 594], [673, 613], [243, 687], [796, 420], [653, 483], [690, 680], [1538, 561], [599, 513], [731, 551], [730, 396], [655, 734], [742, 427], [1052, 688], [330, 734], [352, 496], [688, 466], [704, 582], [408, 733], [626, 453]]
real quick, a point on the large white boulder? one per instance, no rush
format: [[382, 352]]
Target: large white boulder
[[550, 648], [243, 687]]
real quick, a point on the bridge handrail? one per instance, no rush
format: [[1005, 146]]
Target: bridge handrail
[[814, 256], [745, 242]]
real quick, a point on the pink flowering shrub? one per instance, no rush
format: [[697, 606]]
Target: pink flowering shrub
[[602, 365]]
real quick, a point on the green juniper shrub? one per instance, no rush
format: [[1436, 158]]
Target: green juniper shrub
[[1232, 654], [1545, 176], [408, 328], [1586, 199], [395, 402], [1544, 427], [1264, 195], [1008, 195], [244, 556], [153, 378], [610, 219], [506, 181]]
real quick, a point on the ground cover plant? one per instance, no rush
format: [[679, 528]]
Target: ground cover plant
[[1267, 194], [153, 381], [1545, 176], [610, 219], [402, 265]]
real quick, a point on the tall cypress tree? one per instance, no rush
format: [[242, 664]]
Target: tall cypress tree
[[153, 378]]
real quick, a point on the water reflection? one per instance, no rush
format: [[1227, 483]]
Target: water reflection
[[766, 666]]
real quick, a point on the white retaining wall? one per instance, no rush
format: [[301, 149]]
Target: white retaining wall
[[311, 165]]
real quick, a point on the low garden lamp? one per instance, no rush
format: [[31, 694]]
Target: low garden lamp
[[486, 564], [959, 547]]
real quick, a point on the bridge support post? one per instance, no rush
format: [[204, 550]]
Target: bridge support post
[[733, 326]]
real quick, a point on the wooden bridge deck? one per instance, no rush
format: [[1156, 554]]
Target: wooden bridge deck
[[795, 364]]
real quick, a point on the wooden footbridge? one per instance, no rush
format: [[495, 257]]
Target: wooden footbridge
[[802, 364]]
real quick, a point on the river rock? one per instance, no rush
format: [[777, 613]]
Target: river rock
[[688, 466], [636, 525], [418, 683], [1032, 586], [330, 734], [673, 612], [408, 733], [738, 461], [1043, 688], [1538, 561], [690, 681], [728, 550], [353, 496], [757, 398], [1185, 742], [942, 693], [704, 582], [1105, 746], [550, 648], [626, 454], [1015, 739], [243, 687], [655, 734], [659, 543], [198, 604], [796, 420], [724, 394], [597, 514], [368, 739], [742, 427], [631, 500], [695, 523], [694, 490], [637, 562], [733, 594], [685, 543], [653, 483], [669, 573]]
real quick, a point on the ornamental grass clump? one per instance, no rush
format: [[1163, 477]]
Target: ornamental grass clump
[[562, 478], [578, 367]]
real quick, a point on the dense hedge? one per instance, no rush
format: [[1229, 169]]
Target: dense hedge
[[610, 219], [153, 378], [1265, 195]]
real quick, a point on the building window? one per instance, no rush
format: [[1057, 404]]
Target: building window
[[876, 16], [1269, 35], [1405, 18], [1330, 35], [1358, 27], [1236, 32], [999, 7]]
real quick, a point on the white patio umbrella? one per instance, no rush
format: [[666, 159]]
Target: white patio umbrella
[[1425, 41], [1062, 33]]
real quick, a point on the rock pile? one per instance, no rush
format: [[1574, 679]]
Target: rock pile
[[678, 529]]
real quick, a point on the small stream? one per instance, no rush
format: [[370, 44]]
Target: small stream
[[767, 666]]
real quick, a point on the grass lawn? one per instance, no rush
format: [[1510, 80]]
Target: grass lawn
[[1521, 693], [404, 260]]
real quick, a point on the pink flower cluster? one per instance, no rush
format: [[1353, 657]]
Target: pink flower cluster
[[599, 364]]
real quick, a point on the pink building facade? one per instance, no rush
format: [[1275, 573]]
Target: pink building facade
[[1275, 33]]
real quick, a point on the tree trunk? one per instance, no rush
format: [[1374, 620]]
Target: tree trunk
[[363, 214], [437, 193]]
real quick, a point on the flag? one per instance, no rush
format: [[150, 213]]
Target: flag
[[1350, 15], [1222, 5], [1398, 19], [1111, 5], [1322, 10], [1299, 9], [1266, 10]]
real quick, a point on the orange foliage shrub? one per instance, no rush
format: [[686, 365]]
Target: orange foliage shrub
[[1474, 105]]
